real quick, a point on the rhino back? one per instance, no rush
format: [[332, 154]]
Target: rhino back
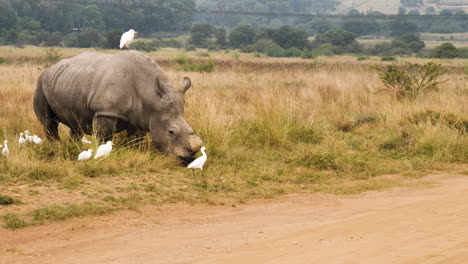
[[92, 83]]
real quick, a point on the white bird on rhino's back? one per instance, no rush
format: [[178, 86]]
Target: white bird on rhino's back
[[103, 150], [199, 162], [127, 38]]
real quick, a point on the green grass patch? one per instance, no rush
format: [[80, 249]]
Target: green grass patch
[[7, 199]]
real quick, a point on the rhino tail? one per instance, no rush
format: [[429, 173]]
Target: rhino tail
[[43, 111]]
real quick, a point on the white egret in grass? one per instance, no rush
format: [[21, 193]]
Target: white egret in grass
[[37, 140], [5, 150], [127, 38], [21, 140], [198, 163], [27, 137], [85, 141], [85, 155], [103, 150]]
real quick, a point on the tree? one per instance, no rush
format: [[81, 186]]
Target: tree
[[430, 10], [243, 34], [413, 41], [320, 26], [92, 17], [88, 38], [400, 27], [446, 12], [340, 39], [220, 36], [444, 50], [401, 11], [361, 26], [286, 37], [200, 33], [414, 12], [7, 17], [112, 40], [460, 12], [237, 38]]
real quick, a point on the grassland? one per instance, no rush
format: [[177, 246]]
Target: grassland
[[271, 126]]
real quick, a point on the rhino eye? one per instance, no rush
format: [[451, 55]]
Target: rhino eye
[[171, 132]]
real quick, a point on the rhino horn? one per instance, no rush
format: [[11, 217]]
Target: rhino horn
[[185, 85]]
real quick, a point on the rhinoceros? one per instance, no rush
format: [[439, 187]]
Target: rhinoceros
[[109, 93]]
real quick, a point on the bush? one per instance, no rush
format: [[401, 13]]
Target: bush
[[112, 40], [387, 58], [191, 47], [51, 56], [87, 38], [4, 60], [342, 41], [6, 200], [247, 48], [444, 50], [410, 80], [186, 65], [143, 45], [307, 54]]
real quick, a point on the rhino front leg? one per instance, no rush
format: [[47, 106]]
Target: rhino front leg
[[105, 127], [76, 134]]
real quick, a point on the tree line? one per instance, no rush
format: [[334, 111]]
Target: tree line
[[47, 22]]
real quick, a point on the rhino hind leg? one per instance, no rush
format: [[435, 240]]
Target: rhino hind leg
[[45, 114]]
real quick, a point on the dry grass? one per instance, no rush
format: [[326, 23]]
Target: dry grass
[[267, 131]]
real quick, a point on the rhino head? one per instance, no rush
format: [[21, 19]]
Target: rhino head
[[169, 130]]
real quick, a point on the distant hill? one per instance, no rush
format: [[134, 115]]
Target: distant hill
[[389, 7]]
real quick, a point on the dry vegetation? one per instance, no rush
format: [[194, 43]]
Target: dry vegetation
[[323, 126]]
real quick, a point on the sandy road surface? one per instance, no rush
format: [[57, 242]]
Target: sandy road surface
[[396, 226]]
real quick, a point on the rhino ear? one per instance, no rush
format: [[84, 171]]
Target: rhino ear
[[185, 85]]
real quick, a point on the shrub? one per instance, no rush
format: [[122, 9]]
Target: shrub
[[12, 221], [52, 55], [112, 40], [6, 200], [4, 60], [387, 58], [191, 47], [307, 54], [247, 48], [143, 45], [186, 65], [410, 80], [444, 50]]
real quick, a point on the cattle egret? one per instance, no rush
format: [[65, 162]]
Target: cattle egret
[[27, 137], [198, 163], [85, 141], [37, 140], [85, 154], [5, 150], [127, 38], [21, 140], [103, 150]]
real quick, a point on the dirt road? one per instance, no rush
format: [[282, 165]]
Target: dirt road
[[423, 225]]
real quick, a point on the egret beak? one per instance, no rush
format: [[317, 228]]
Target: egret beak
[[136, 32]]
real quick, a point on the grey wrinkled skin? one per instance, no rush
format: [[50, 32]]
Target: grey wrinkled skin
[[114, 92]]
